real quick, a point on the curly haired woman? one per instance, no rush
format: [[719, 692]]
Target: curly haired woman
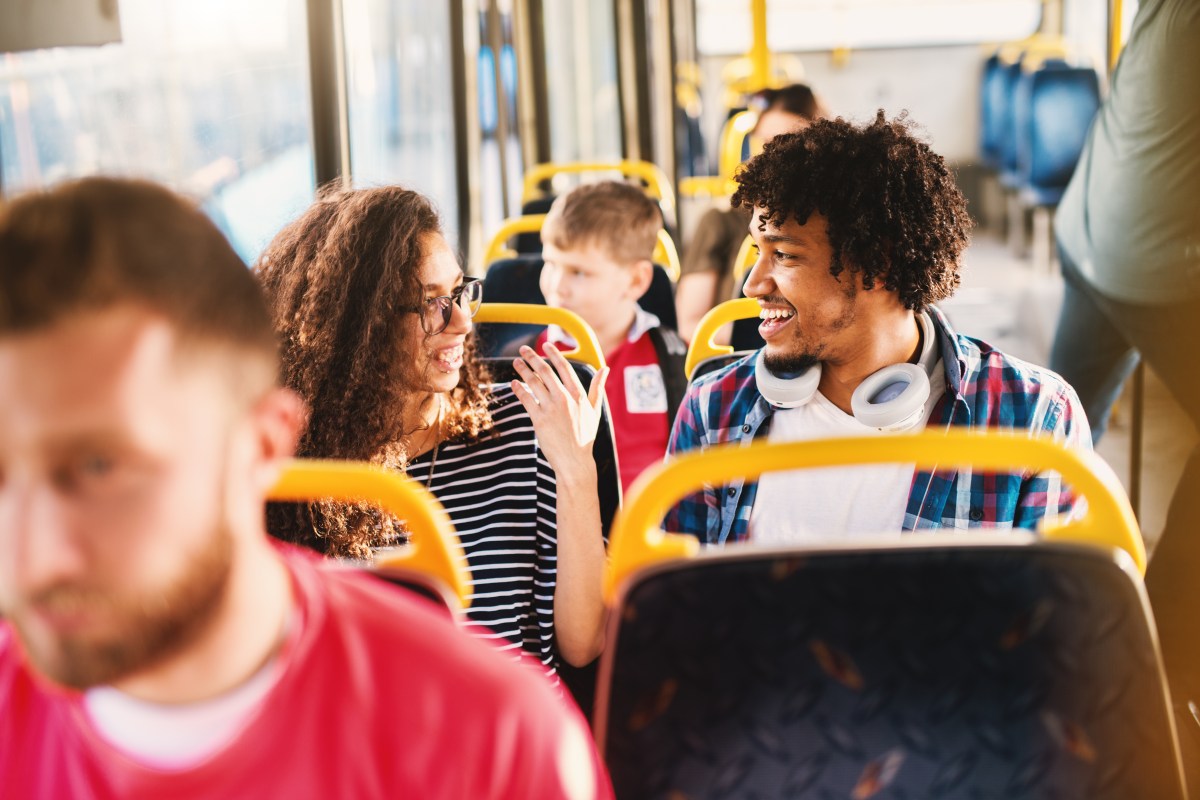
[[374, 318]]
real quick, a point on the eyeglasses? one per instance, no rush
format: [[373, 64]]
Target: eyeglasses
[[436, 311]]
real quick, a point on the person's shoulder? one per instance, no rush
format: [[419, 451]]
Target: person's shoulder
[[730, 378], [995, 368], [419, 674]]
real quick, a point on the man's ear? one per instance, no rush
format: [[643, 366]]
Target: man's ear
[[278, 418], [642, 273]]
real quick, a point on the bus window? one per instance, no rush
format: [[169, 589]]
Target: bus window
[[210, 98], [401, 98], [723, 28]]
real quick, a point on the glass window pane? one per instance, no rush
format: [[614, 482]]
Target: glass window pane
[[798, 25], [210, 98], [581, 76], [401, 97]]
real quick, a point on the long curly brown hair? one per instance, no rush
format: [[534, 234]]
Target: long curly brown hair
[[337, 280], [893, 210]]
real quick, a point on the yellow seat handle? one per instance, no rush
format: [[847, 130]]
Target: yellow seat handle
[[637, 541], [658, 185], [587, 346], [702, 345], [746, 256], [665, 252], [434, 550]]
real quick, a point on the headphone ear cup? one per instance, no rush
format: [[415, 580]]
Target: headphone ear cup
[[892, 398], [785, 392]]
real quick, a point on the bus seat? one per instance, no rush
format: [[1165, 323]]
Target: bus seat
[[991, 104], [982, 665], [1010, 74], [433, 564], [704, 355], [935, 671], [1058, 104], [581, 681], [515, 280]]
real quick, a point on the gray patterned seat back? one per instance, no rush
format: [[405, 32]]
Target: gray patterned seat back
[[949, 672]]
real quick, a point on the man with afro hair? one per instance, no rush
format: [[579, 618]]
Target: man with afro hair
[[860, 230]]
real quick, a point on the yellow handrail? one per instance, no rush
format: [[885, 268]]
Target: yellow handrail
[[707, 186], [498, 247], [665, 252], [587, 346], [1037, 45], [1117, 33], [658, 185], [636, 540], [733, 137], [746, 256], [702, 345], [434, 550], [760, 52]]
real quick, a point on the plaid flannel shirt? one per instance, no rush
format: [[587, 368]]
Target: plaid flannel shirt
[[984, 388]]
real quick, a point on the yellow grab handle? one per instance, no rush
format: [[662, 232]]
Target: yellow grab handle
[[637, 541], [746, 256], [665, 252], [658, 185], [435, 549], [587, 346], [732, 136], [707, 186], [702, 345], [498, 247]]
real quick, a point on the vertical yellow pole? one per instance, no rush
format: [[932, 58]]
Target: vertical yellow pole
[[760, 56], [1115, 33]]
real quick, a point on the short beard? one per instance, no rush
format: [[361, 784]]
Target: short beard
[[151, 627], [789, 365]]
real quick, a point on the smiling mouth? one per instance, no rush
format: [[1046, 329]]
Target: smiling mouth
[[449, 359], [773, 320]]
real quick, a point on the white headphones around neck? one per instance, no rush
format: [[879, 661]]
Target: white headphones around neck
[[891, 399]]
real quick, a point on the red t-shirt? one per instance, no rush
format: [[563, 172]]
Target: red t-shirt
[[637, 400], [379, 697]]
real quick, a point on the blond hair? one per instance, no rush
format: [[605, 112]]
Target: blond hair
[[616, 217]]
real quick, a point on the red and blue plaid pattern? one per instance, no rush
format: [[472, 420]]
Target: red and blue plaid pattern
[[984, 388]]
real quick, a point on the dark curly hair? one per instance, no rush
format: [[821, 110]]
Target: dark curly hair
[[336, 280], [893, 211]]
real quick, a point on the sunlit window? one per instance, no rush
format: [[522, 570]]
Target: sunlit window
[[210, 98], [401, 98], [805, 25]]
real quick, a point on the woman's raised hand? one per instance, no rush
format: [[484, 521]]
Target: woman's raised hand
[[564, 416]]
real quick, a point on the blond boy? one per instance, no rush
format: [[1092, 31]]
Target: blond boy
[[597, 243]]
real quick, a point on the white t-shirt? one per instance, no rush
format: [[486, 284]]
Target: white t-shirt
[[818, 505], [176, 737]]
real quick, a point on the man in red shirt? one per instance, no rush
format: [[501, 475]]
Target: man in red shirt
[[154, 642]]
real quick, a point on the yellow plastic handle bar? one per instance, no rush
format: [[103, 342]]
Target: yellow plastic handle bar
[[702, 345], [665, 252], [733, 135], [746, 256], [587, 346], [658, 185], [707, 186], [637, 541], [435, 549], [498, 247]]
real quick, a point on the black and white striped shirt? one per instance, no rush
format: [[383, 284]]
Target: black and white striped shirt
[[499, 491]]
